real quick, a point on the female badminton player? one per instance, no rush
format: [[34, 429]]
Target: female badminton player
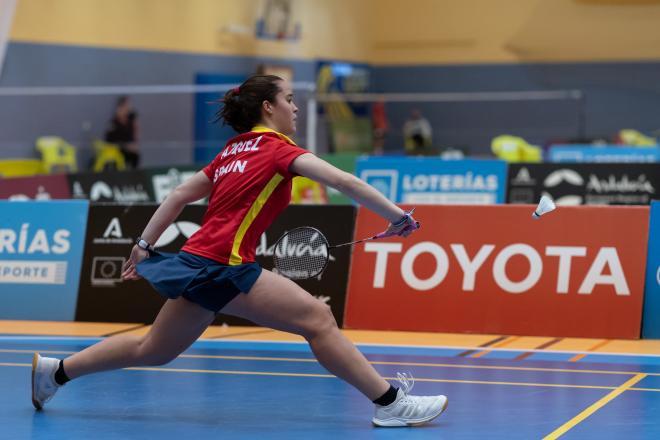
[[248, 185]]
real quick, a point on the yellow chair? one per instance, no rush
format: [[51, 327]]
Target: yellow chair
[[58, 155], [636, 138], [21, 167], [515, 149], [108, 156]]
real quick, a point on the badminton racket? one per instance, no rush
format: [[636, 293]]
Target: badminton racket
[[303, 252]]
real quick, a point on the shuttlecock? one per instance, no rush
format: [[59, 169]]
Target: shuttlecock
[[545, 205]]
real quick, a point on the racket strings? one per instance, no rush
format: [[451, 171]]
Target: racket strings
[[301, 253]]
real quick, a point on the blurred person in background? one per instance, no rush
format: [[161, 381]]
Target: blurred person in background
[[417, 134], [123, 131]]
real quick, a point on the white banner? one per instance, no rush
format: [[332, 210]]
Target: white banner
[[33, 272]]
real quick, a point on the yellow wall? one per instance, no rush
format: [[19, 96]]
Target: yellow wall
[[197, 26], [376, 31], [469, 31]]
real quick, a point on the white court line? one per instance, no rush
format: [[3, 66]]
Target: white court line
[[359, 344]]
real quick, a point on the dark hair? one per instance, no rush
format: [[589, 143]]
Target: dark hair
[[241, 106], [122, 100]]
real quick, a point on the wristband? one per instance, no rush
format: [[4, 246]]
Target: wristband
[[143, 244], [402, 221], [406, 217]]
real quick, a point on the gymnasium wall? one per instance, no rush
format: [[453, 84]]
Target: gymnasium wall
[[607, 48]]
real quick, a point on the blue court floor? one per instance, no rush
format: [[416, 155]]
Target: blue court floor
[[276, 390]]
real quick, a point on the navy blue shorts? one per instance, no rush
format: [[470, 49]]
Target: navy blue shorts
[[200, 280]]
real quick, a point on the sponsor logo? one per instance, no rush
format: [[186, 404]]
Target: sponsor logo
[[523, 178], [113, 234], [33, 272], [41, 194], [173, 231], [385, 181], [30, 242], [300, 250], [165, 183], [27, 241], [610, 190], [605, 268], [103, 191], [623, 185], [450, 182], [106, 271]]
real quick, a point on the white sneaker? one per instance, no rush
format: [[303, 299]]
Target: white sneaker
[[44, 386], [409, 410]]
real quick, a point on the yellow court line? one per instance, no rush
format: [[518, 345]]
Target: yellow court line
[[594, 407], [406, 364]]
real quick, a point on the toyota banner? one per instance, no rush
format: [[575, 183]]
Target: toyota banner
[[576, 272]]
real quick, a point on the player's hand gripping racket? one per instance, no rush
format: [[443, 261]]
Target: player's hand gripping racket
[[303, 252]]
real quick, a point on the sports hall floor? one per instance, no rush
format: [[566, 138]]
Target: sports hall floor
[[254, 383]]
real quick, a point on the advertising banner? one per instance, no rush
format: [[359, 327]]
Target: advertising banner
[[164, 180], [345, 162], [112, 231], [48, 187], [435, 181], [122, 187], [41, 247], [578, 271], [584, 184], [651, 321], [607, 153]]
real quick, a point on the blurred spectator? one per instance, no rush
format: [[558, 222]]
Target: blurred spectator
[[123, 131], [417, 134], [380, 125]]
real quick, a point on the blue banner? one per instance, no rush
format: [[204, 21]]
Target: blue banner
[[435, 181], [605, 153], [41, 246], [651, 320]]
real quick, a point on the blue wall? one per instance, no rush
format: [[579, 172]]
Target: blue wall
[[164, 120], [618, 95]]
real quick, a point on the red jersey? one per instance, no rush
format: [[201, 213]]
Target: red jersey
[[251, 187]]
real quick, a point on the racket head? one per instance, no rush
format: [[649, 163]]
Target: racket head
[[301, 253]]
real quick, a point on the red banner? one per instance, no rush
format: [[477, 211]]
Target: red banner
[[578, 271], [48, 187]]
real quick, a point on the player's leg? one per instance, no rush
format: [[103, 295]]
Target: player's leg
[[178, 324], [279, 303]]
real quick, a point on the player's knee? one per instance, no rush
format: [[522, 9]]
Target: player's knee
[[321, 321], [149, 354]]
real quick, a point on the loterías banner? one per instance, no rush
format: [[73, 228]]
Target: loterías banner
[[579, 272]]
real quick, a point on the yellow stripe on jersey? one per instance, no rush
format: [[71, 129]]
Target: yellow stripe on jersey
[[235, 258], [262, 129]]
